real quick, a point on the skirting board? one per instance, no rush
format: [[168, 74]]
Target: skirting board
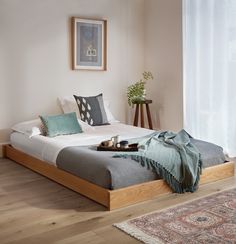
[[112, 199]]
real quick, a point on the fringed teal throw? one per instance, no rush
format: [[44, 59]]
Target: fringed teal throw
[[172, 156]]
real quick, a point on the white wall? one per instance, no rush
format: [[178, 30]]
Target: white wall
[[163, 56], [35, 55]]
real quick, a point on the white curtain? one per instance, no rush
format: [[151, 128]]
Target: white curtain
[[209, 47]]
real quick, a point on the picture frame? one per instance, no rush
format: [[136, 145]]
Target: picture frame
[[89, 43]]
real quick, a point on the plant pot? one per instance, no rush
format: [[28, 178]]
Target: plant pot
[[138, 99]]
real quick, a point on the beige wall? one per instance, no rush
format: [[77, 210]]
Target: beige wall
[[35, 55], [163, 56]]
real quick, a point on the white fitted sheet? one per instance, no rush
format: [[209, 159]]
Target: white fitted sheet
[[47, 149], [33, 146]]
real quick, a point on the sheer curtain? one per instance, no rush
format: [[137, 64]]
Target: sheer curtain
[[209, 45]]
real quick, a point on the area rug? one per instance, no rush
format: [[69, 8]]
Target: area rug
[[210, 219]]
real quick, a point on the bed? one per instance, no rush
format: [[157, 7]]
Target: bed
[[113, 182]]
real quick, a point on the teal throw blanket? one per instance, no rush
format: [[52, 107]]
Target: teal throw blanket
[[172, 156]]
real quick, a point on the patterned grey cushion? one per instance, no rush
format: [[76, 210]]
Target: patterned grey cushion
[[92, 110]]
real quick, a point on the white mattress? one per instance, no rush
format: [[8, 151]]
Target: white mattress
[[47, 149], [33, 146]]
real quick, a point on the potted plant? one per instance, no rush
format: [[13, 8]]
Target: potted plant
[[137, 92]]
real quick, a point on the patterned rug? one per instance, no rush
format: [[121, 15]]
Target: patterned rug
[[210, 219]]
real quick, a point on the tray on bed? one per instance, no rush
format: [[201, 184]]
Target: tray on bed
[[119, 149]]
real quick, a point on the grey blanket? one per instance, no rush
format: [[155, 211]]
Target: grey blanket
[[102, 169], [172, 156]]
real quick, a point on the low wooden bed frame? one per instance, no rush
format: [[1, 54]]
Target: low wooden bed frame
[[112, 199]]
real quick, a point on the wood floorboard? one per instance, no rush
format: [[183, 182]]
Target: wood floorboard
[[33, 209]]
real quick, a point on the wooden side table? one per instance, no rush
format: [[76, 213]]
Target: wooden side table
[[136, 117]]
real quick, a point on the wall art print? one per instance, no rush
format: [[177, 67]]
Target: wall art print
[[88, 44]]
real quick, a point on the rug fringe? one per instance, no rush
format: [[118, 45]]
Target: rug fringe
[[134, 232]]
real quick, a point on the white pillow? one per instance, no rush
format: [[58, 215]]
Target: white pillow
[[85, 126], [29, 128], [111, 119], [69, 105]]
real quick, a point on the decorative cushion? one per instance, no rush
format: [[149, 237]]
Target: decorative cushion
[[63, 124], [68, 105], [92, 110]]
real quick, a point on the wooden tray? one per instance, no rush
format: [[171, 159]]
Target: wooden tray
[[118, 149]]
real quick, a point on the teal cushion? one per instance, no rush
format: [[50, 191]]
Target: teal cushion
[[63, 124]]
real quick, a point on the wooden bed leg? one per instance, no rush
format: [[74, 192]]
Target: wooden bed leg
[[3, 153]]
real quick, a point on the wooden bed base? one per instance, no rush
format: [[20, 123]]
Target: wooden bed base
[[112, 199]]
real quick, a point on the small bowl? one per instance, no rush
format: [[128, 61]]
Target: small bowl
[[133, 145], [124, 144]]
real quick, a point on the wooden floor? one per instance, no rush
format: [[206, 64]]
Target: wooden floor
[[35, 210]]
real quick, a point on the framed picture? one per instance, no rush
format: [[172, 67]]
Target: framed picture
[[88, 44]]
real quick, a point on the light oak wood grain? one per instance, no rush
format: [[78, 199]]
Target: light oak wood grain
[[37, 210], [218, 172], [4, 139], [138, 193], [2, 150], [112, 199], [75, 183], [141, 192]]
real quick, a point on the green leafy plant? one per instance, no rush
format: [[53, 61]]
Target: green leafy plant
[[136, 92]]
